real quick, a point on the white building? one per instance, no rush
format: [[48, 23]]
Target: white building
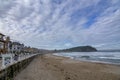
[[16, 47]]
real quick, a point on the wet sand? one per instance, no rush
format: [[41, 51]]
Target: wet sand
[[49, 67]]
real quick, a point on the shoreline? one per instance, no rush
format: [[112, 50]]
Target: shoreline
[[51, 67], [97, 62], [89, 60]]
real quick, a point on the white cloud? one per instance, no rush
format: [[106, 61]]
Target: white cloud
[[5, 6], [48, 24]]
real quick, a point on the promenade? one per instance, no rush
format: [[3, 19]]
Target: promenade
[[49, 67], [39, 70]]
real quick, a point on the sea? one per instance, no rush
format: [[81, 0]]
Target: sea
[[101, 57]]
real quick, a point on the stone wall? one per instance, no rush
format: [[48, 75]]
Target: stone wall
[[10, 72]]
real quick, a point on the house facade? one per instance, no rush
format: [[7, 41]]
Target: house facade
[[2, 43], [8, 46], [16, 47]]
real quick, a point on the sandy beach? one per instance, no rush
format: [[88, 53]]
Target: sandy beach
[[49, 67]]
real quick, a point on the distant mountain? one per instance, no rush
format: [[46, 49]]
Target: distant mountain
[[79, 49]]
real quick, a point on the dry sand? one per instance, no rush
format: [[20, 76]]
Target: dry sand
[[49, 67]]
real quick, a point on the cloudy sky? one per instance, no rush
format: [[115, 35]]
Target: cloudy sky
[[51, 24]]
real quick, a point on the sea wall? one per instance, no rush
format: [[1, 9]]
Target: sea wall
[[9, 72]]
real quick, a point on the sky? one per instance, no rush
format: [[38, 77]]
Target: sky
[[58, 24]]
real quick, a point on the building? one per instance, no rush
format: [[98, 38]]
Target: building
[[31, 50], [2, 43], [16, 47], [7, 46]]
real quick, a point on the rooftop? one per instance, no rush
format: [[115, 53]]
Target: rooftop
[[2, 34]]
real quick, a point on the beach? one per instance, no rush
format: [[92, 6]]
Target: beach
[[51, 67]]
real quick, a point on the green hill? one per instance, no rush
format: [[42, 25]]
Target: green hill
[[79, 49]]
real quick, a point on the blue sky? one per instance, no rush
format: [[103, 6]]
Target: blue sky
[[56, 24]]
